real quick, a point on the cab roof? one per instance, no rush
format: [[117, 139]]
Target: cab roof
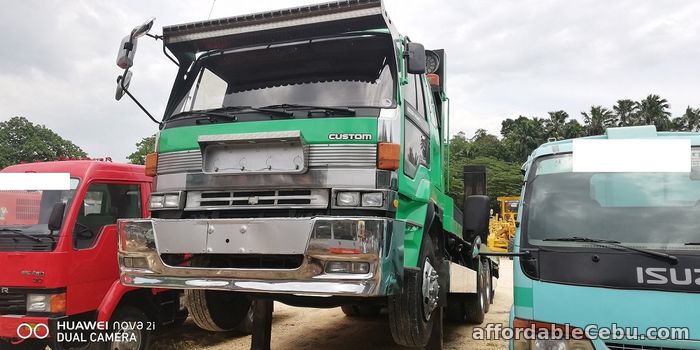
[[629, 132], [92, 169]]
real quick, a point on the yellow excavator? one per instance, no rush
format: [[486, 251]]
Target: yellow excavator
[[502, 225]]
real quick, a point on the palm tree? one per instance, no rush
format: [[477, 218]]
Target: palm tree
[[653, 110], [626, 112], [689, 121], [598, 119], [554, 126]]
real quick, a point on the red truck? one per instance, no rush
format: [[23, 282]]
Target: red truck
[[59, 284]]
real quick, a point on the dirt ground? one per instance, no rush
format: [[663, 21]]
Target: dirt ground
[[303, 328]]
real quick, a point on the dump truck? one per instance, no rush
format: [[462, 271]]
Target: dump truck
[[302, 158], [60, 280], [607, 243]]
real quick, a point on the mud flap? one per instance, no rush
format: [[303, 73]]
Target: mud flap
[[262, 324]]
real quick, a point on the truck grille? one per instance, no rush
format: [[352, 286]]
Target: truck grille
[[199, 200], [616, 346], [320, 156], [13, 304]]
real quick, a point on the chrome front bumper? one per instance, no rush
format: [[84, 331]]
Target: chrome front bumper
[[143, 241]]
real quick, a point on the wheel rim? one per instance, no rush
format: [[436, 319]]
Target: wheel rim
[[430, 289], [127, 345]]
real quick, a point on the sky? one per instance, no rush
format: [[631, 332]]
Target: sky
[[504, 58]]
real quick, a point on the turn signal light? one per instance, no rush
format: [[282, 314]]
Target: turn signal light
[[151, 163], [388, 155], [434, 79]]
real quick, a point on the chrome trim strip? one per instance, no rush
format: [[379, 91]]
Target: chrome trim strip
[[320, 155]]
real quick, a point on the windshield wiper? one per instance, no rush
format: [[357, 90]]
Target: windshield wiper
[[21, 234], [692, 243], [248, 109], [664, 256], [328, 110], [208, 114]]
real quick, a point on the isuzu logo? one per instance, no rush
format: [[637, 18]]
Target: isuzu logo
[[664, 275], [337, 136]]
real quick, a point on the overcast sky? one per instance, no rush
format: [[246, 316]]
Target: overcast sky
[[505, 58]]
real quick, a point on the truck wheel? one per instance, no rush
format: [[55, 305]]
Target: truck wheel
[[476, 304], [361, 310], [487, 285], [413, 312], [217, 311], [133, 316]]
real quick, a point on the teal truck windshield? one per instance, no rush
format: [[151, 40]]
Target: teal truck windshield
[[348, 71], [645, 210]]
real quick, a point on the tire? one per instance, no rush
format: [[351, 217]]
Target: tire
[[456, 308], [409, 324], [476, 303], [368, 311], [487, 285], [217, 311], [134, 316], [246, 326]]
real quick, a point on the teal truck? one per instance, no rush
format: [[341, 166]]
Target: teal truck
[[607, 242], [301, 157]]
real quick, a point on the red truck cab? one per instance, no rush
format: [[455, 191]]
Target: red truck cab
[[58, 280]]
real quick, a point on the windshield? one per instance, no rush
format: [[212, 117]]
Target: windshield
[[29, 211], [349, 71], [644, 210]]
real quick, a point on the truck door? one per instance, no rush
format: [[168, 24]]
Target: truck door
[[94, 256]]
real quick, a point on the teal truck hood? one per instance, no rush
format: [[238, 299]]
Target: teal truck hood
[[582, 306]]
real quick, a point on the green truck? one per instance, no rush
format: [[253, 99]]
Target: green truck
[[302, 158]]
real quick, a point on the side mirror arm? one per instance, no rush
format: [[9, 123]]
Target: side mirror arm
[[120, 81]]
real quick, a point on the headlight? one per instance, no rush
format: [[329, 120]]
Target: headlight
[[528, 329], [156, 201], [136, 236], [348, 199], [372, 199], [49, 303], [165, 201]]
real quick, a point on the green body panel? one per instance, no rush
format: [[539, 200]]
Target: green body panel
[[314, 130], [427, 186]]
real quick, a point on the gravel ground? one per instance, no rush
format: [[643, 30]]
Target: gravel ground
[[304, 328]]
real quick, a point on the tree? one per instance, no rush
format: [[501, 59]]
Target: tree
[[626, 112], [145, 146], [573, 129], [22, 141], [521, 136], [554, 126], [690, 121], [653, 110], [598, 119]]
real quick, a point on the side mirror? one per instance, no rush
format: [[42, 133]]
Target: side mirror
[[143, 29], [476, 217], [123, 82], [127, 48], [415, 58], [56, 218]]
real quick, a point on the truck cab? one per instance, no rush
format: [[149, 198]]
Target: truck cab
[[608, 242], [59, 258], [302, 157]]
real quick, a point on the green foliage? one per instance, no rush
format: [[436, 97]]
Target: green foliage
[[520, 136], [145, 146], [22, 141]]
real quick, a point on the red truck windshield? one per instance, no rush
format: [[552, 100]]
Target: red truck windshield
[[24, 217]]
